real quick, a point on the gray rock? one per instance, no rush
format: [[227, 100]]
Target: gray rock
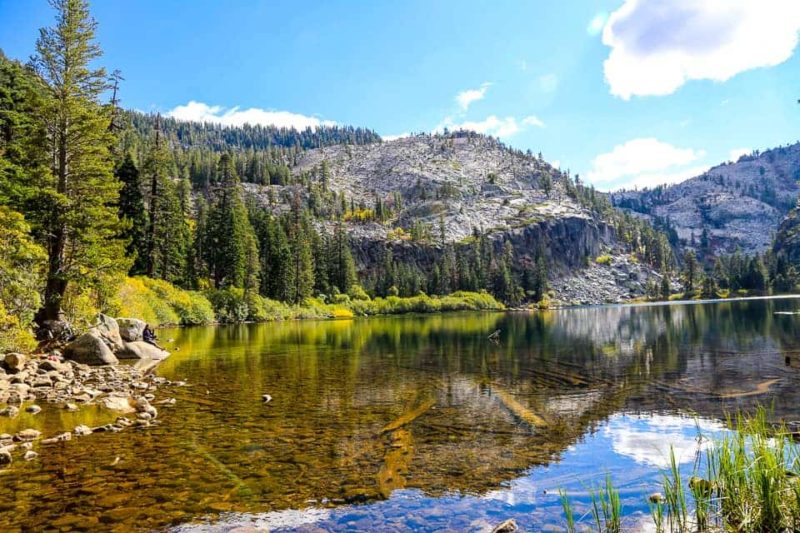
[[141, 350], [82, 431], [58, 438], [10, 411], [508, 526], [5, 457], [33, 409], [118, 403], [108, 330], [50, 365], [27, 435], [14, 362], [143, 406], [131, 329], [30, 455], [90, 349]]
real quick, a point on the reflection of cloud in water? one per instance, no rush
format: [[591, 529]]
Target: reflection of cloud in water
[[287, 519], [647, 439]]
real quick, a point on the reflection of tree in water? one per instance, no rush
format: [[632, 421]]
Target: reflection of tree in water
[[364, 407]]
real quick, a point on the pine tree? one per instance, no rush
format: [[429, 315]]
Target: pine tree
[[342, 271], [281, 273], [691, 272], [666, 290], [229, 237], [81, 221], [132, 212], [302, 261]]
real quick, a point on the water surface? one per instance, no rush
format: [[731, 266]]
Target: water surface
[[415, 422]]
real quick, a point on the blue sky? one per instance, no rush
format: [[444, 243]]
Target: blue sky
[[624, 92]]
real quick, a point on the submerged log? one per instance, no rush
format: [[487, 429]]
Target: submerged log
[[761, 388], [396, 461], [408, 417], [519, 411]]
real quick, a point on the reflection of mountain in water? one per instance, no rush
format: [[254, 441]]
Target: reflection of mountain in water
[[364, 408]]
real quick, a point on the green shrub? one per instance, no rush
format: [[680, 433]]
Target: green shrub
[[603, 259], [357, 292], [340, 298], [160, 303], [21, 266], [191, 307], [229, 304]]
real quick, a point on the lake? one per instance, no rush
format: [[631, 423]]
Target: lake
[[415, 422]]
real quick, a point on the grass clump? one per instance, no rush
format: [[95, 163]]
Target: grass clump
[[604, 259]]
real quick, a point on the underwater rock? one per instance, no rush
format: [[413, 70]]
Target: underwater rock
[[27, 435]]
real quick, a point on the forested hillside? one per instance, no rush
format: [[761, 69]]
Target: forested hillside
[[91, 194]]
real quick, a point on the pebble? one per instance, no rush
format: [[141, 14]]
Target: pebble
[[58, 438], [266, 398], [5, 457], [82, 430], [508, 526], [30, 455], [10, 411], [33, 409], [27, 435]]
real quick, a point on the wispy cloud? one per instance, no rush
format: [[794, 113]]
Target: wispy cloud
[[644, 162], [491, 125], [736, 153], [657, 45], [235, 116], [466, 98], [597, 23], [502, 127], [533, 120], [395, 137]]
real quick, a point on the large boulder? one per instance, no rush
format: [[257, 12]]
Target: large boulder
[[131, 329], [14, 362], [108, 330], [90, 349], [141, 350], [118, 403]]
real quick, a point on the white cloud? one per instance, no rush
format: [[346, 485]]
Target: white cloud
[[649, 440], [533, 120], [395, 137], [644, 162], [658, 45], [234, 116], [654, 179], [466, 98], [736, 153], [556, 163], [597, 23], [548, 83], [491, 125]]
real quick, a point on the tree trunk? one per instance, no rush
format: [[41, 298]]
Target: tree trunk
[[56, 282]]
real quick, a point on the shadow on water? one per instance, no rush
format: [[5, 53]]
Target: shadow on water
[[414, 416]]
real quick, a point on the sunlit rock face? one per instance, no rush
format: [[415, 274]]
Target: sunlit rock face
[[459, 184], [739, 204]]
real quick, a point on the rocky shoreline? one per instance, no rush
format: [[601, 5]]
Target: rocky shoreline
[[82, 372]]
